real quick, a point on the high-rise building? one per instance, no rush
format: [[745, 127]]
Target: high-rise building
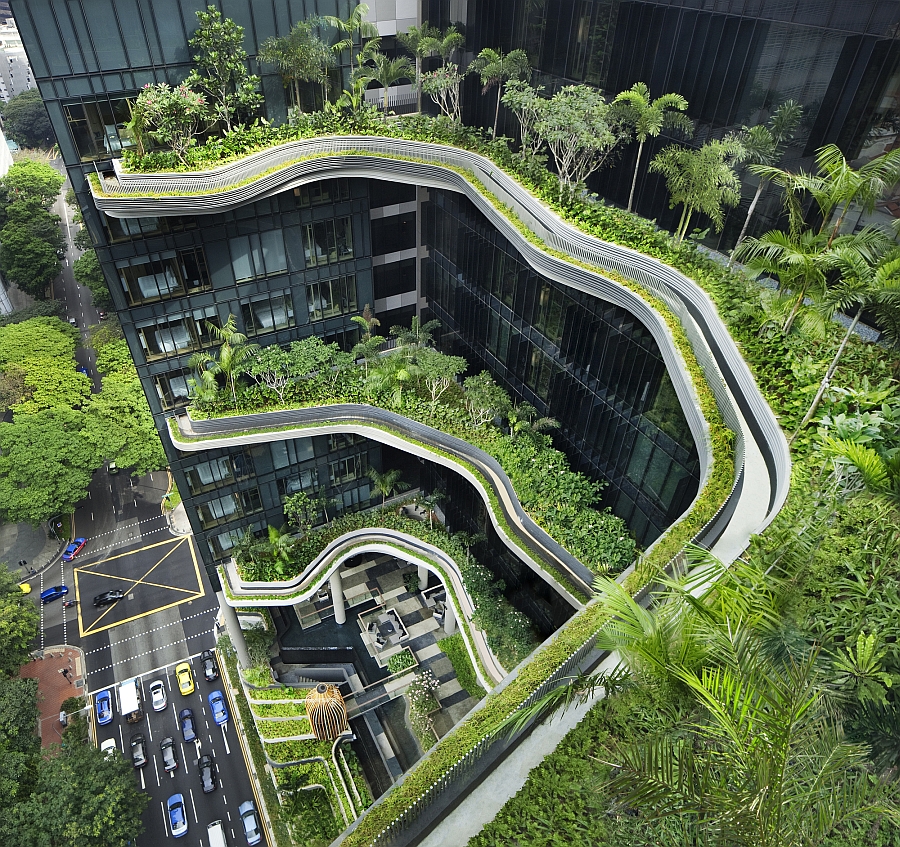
[[15, 72]]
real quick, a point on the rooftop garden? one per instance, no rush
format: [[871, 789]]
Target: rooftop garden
[[806, 629]]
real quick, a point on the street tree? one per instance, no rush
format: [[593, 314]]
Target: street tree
[[27, 258], [495, 68], [576, 126], [87, 271], [82, 798], [45, 465], [220, 69], [387, 483], [647, 118], [42, 337], [352, 29], [701, 180], [25, 120], [19, 715], [301, 56], [19, 619], [50, 384], [765, 146], [31, 181]]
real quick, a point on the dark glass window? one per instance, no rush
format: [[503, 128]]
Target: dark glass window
[[227, 508], [394, 233], [99, 129], [172, 389], [326, 242], [164, 276], [331, 297], [268, 312], [319, 193], [394, 278], [258, 255], [172, 336], [287, 453]]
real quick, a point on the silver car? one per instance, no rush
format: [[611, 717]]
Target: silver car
[[250, 822], [158, 695]]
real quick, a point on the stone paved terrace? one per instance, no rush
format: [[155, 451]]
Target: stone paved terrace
[[47, 668]]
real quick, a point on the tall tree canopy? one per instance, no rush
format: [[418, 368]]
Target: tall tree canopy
[[25, 120]]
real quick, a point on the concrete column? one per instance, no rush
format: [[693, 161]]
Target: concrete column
[[337, 597], [423, 577], [235, 633], [449, 618]]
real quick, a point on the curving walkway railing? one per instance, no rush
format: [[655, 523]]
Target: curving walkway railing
[[531, 544], [288, 165]]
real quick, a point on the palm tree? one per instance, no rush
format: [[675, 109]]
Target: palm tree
[[230, 360], [429, 503], [282, 544], [765, 146], [469, 540], [418, 335], [443, 44], [391, 375], [387, 483], [415, 40], [300, 56], [355, 24], [648, 118], [523, 420], [836, 186], [495, 68], [879, 469], [387, 71], [701, 180], [864, 285]]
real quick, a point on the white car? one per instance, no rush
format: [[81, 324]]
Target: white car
[[158, 695], [108, 748]]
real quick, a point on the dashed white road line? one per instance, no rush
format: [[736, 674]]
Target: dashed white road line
[[149, 631], [149, 652], [123, 543]]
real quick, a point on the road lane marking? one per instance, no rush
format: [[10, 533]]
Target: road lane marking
[[149, 631], [191, 792], [225, 739], [147, 653], [165, 817], [156, 767]]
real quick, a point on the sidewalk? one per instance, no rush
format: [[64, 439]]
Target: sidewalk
[[47, 668], [22, 542]]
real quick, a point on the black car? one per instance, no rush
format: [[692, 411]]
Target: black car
[[208, 771], [210, 668], [167, 748], [107, 598], [188, 730], [138, 750]]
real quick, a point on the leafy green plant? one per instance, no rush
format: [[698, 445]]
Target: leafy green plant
[[456, 652], [400, 662]]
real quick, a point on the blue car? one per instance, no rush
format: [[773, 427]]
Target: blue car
[[74, 549], [104, 707], [188, 731], [217, 705], [177, 816], [82, 370], [48, 595]]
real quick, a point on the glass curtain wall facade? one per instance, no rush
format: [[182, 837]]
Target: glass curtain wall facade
[[734, 60]]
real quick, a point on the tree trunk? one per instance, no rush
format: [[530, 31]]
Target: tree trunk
[[823, 387], [497, 109], [683, 223], [634, 178], [790, 320], [750, 211], [297, 94]]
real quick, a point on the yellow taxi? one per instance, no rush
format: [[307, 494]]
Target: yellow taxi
[[185, 678]]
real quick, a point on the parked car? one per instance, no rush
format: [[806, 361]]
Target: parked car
[[74, 549], [167, 749], [185, 678], [48, 595], [113, 468], [188, 730], [103, 702], [138, 750], [177, 816], [158, 695], [82, 370], [107, 598], [250, 822], [108, 748], [218, 708], [208, 773], [210, 668]]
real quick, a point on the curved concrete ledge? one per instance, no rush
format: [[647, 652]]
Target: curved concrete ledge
[[243, 593], [531, 545], [756, 496]]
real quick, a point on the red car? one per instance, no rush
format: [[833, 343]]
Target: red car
[[74, 549]]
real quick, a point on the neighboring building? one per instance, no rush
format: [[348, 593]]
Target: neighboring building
[[307, 260], [733, 60], [15, 72]]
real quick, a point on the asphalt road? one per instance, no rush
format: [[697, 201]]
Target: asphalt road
[[233, 783]]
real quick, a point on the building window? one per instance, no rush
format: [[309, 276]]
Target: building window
[[287, 453], [172, 389], [227, 508], [176, 335], [346, 470], [211, 474], [268, 312], [258, 255], [331, 297], [340, 441], [100, 129], [124, 229], [306, 480], [326, 242], [319, 193], [164, 276]]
